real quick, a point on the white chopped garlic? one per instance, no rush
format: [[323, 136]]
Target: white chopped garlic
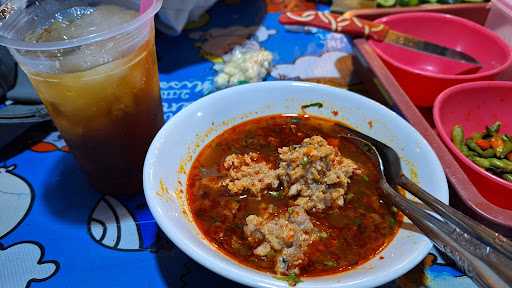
[[242, 66]]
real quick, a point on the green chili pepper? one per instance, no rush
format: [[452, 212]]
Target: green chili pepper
[[458, 139], [507, 177], [489, 153], [472, 145], [386, 3], [490, 159], [496, 163], [477, 136], [507, 148], [484, 163], [501, 164], [493, 129], [458, 135]]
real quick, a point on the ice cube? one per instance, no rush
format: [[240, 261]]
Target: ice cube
[[83, 21], [89, 56]]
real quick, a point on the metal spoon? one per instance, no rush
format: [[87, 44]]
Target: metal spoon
[[481, 253]]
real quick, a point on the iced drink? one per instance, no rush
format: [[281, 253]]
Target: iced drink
[[104, 96]]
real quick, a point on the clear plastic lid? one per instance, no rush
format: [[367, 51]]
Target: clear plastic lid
[[25, 17]]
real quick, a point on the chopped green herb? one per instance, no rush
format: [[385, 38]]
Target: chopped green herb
[[203, 171], [290, 209], [242, 82], [304, 162], [349, 196], [477, 136], [394, 210], [276, 194], [292, 279], [365, 178], [392, 222], [493, 129], [323, 234], [316, 104], [330, 263], [295, 120], [356, 221]]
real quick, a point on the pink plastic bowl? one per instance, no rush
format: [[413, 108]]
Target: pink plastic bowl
[[422, 76], [475, 105]]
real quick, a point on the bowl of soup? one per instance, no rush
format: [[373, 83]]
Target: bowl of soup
[[258, 184]]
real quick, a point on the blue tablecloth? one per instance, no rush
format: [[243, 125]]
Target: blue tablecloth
[[56, 231]]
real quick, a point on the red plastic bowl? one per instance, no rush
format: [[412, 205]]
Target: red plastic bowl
[[475, 105], [420, 74]]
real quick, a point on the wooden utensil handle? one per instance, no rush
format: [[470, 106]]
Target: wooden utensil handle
[[337, 23]]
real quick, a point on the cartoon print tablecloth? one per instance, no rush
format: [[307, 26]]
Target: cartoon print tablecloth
[[55, 231]]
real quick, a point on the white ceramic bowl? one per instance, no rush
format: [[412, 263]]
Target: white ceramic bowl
[[178, 142]]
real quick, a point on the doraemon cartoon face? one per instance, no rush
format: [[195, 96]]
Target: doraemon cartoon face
[[16, 197], [15, 200]]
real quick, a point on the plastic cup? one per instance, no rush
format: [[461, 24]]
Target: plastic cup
[[101, 88]]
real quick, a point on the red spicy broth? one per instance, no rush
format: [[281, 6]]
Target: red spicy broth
[[359, 229]]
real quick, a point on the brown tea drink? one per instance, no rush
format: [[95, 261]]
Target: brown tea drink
[[104, 97]]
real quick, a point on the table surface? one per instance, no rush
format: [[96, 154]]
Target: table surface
[[56, 231]]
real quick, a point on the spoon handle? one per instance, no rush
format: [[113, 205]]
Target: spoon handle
[[485, 273], [461, 221]]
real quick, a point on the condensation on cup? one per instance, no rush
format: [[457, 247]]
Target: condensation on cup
[[93, 63]]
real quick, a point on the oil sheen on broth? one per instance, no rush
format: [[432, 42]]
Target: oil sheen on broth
[[285, 194]]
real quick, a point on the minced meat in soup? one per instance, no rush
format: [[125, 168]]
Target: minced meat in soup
[[285, 194]]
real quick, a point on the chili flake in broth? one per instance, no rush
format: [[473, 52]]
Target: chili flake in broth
[[285, 194]]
